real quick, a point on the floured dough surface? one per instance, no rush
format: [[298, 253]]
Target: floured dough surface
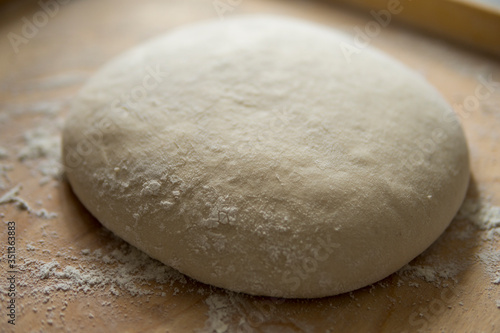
[[249, 154]]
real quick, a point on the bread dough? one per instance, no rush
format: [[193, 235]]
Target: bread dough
[[251, 155]]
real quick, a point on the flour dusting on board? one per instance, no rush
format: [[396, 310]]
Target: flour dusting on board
[[124, 268], [483, 215], [12, 196], [219, 314], [42, 150], [3, 153]]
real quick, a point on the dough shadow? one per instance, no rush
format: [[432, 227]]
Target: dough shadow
[[73, 212]]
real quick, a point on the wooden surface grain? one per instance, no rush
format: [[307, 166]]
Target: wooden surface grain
[[39, 74]]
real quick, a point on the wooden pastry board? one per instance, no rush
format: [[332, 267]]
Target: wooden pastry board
[[39, 74]]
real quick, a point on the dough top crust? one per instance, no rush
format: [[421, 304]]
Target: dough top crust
[[250, 154]]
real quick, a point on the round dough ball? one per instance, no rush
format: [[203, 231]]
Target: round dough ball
[[250, 154]]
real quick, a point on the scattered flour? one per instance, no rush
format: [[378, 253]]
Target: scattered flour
[[4, 177], [109, 271], [3, 153], [490, 258], [39, 143], [435, 273], [42, 151], [484, 216], [11, 196], [220, 312], [125, 268]]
